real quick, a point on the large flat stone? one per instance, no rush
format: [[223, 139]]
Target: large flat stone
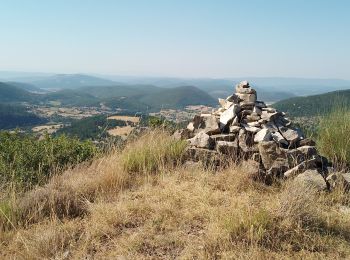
[[263, 135], [311, 179], [228, 148], [224, 137], [202, 140], [227, 116]]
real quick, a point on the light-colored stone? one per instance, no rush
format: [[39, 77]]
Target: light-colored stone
[[270, 116], [253, 118], [339, 180], [247, 98], [211, 125], [224, 137], [308, 151], [254, 124], [235, 122], [228, 115], [291, 135], [225, 104], [307, 142], [263, 135], [257, 110], [311, 179], [208, 124], [233, 98], [243, 87], [246, 141], [252, 129], [190, 126], [204, 156], [279, 138], [234, 129], [183, 134], [278, 167], [269, 152], [202, 140], [228, 148], [222, 102], [305, 165]]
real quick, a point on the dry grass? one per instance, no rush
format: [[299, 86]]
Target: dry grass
[[105, 211], [133, 119], [121, 131]]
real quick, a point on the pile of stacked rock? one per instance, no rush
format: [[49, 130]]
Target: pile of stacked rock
[[244, 129]]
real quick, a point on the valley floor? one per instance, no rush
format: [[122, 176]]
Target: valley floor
[[103, 211]]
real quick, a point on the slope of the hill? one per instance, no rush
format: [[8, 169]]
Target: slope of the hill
[[70, 81], [9, 93], [136, 204], [25, 86], [314, 105], [120, 90], [178, 98], [71, 98], [12, 116]]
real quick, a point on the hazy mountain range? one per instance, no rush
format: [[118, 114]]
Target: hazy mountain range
[[110, 86]]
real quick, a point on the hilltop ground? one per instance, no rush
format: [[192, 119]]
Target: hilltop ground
[[138, 204]]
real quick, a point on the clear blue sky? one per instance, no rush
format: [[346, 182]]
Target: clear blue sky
[[189, 38]]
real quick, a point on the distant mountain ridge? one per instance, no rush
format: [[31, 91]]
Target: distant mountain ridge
[[271, 89], [135, 98], [10, 93], [71, 81]]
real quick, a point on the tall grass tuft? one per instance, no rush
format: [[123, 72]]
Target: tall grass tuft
[[152, 152], [334, 137]]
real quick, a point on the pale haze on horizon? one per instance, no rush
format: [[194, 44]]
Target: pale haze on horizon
[[180, 38]]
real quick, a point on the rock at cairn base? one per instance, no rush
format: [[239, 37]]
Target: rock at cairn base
[[244, 128]]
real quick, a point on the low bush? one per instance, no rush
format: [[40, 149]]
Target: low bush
[[27, 161]]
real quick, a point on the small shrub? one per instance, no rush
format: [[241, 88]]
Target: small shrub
[[152, 152], [28, 161]]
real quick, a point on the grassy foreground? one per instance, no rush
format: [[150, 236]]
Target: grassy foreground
[[142, 204]]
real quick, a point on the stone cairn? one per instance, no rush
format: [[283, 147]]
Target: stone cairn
[[244, 129]]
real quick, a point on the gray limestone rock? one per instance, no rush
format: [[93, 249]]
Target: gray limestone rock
[[291, 135], [269, 152], [279, 138], [228, 115], [228, 148], [263, 135], [202, 140], [339, 180], [224, 137], [311, 179]]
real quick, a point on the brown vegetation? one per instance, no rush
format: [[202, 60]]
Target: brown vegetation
[[142, 204]]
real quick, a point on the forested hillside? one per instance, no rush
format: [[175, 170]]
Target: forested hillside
[[9, 93], [12, 116], [314, 105]]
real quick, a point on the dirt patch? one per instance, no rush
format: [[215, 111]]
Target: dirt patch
[[133, 119], [121, 131], [47, 128]]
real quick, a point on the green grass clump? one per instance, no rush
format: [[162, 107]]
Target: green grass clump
[[152, 152], [334, 137]]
